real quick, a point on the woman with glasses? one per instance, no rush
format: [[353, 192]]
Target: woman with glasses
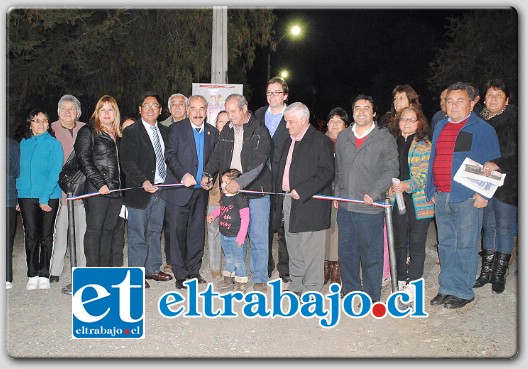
[[38, 189], [97, 153], [411, 131]]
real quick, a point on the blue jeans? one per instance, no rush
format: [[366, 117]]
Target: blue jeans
[[259, 212], [459, 226], [235, 256], [144, 235], [499, 224], [213, 242], [360, 243]]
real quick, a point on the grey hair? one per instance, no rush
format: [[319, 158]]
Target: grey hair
[[463, 86], [241, 100], [197, 97], [176, 95], [299, 108], [72, 99]]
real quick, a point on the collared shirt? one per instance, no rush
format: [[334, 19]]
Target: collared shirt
[[236, 160], [200, 128], [364, 133], [461, 120], [272, 120], [157, 177], [286, 176]]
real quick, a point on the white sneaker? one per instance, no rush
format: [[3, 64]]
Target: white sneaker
[[33, 283], [43, 283], [9, 285]]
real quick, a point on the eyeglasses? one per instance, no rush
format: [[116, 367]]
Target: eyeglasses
[[148, 106], [274, 93], [43, 121], [410, 120]]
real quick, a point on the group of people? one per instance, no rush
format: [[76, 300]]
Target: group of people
[[250, 176]]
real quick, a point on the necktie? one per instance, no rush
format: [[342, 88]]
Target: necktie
[[197, 130], [160, 162]]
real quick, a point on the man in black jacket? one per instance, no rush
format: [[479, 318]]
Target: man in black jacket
[[245, 145], [306, 168], [273, 117], [142, 159]]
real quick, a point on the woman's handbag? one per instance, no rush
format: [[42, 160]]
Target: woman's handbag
[[71, 179]]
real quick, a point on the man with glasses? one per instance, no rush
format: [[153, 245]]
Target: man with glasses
[[189, 145], [143, 161], [245, 144], [273, 117]]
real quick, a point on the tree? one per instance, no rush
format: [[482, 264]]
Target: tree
[[483, 45], [120, 52]]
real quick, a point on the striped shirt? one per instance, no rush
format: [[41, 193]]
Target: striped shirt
[[444, 155]]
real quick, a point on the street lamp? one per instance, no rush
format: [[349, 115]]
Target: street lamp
[[284, 74], [294, 31]]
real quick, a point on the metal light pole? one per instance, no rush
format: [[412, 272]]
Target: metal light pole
[[67, 290], [392, 253], [294, 31]]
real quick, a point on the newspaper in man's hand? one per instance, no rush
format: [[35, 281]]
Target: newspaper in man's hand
[[471, 174]]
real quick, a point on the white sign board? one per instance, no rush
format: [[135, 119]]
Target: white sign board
[[215, 94]]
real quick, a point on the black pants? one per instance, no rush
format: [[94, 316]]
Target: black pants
[[410, 235], [166, 235], [187, 239], [118, 243], [11, 219], [283, 264], [39, 226], [102, 214]]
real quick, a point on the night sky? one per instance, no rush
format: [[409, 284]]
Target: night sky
[[345, 52]]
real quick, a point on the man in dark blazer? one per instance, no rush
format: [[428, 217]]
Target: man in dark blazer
[[143, 162], [189, 145], [273, 118], [306, 168]]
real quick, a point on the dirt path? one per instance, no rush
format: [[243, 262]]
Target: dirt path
[[38, 325]]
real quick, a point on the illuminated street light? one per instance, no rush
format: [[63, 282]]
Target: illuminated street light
[[284, 73], [294, 31]]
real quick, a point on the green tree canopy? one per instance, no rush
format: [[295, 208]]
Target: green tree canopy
[[483, 45], [120, 52]]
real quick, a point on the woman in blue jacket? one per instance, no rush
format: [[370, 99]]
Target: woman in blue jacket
[[41, 159]]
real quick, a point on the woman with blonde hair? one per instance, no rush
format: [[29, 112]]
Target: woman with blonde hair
[[96, 148]]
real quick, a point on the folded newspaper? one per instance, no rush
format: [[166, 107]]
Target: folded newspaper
[[471, 175]]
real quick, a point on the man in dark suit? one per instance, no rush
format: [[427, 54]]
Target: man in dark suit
[[189, 145], [273, 118], [306, 168], [143, 162]]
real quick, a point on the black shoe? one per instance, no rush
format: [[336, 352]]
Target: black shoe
[[285, 278], [454, 302], [198, 277], [439, 299], [54, 278], [180, 285]]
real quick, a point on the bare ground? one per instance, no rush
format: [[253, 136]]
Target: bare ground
[[38, 325]]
